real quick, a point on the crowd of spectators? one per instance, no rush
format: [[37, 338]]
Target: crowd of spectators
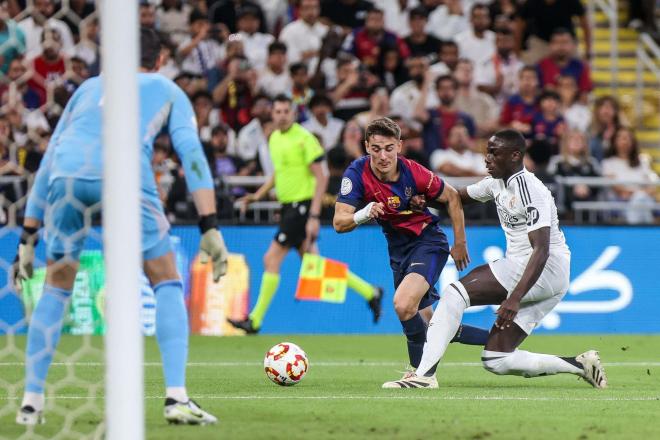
[[450, 72]]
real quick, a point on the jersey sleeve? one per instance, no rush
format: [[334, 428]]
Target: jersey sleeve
[[427, 182], [482, 191], [313, 150], [352, 188], [182, 127], [538, 205]]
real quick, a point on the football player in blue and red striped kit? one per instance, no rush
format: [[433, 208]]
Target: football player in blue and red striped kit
[[381, 186]]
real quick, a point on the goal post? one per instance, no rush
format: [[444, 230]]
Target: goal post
[[121, 220]]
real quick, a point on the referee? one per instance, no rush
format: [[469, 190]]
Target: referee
[[300, 180]]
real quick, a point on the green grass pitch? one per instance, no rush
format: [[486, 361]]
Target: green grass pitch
[[341, 395]]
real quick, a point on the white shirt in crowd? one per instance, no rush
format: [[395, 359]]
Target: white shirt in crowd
[[445, 26], [396, 19], [578, 117], [620, 169], [485, 74], [202, 58], [405, 97], [272, 84], [253, 144], [466, 159], [34, 31], [174, 22], [329, 133], [524, 205], [300, 37], [256, 48], [475, 49]]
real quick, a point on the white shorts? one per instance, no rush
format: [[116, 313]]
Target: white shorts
[[546, 293]]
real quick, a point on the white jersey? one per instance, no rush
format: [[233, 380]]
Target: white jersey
[[524, 204]]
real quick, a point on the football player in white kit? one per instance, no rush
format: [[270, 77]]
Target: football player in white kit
[[527, 283]]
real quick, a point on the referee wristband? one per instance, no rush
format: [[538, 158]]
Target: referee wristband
[[207, 222]]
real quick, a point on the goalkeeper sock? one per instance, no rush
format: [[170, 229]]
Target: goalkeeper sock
[[269, 283], [172, 331], [43, 336], [469, 335], [364, 289]]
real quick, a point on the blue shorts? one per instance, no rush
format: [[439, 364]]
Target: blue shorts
[[425, 255], [74, 203]]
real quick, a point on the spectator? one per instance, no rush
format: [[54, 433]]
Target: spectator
[[537, 160], [217, 153], [519, 110], [255, 43], [406, 98], [301, 92], [504, 11], [445, 20], [207, 117], [352, 140], [173, 16], [234, 94], [419, 41], [498, 75], [478, 42], [226, 12], [548, 124], [577, 115], [348, 14], [481, 106], [368, 43], [574, 160], [458, 160], [438, 121], [562, 62], [168, 67], [350, 96], [88, 47], [275, 78], [34, 25], [79, 72], [252, 143], [12, 39], [77, 10], [642, 16], [322, 123], [147, 15], [606, 121], [199, 52], [623, 162], [379, 106], [540, 18], [49, 66], [397, 15], [304, 36], [447, 60], [18, 86], [392, 71]]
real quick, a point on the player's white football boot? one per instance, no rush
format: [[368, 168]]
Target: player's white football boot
[[28, 416], [411, 380], [187, 413], [594, 372]]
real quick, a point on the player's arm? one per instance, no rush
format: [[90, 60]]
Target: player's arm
[[320, 171], [540, 241], [346, 218], [465, 197], [450, 197]]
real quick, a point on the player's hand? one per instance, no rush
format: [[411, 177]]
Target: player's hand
[[371, 211], [245, 202], [460, 255], [507, 313], [213, 246], [23, 267], [312, 228], [418, 202]]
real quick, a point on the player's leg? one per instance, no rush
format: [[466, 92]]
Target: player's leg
[[64, 222]]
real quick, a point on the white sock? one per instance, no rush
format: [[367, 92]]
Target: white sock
[[35, 400], [177, 393], [527, 364], [443, 325]]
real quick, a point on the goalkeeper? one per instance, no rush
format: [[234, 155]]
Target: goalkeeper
[[68, 186]]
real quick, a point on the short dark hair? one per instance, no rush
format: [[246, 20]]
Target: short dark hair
[[276, 46], [512, 139], [383, 127], [562, 31], [549, 94], [477, 6], [220, 128], [320, 99], [528, 68], [297, 67], [197, 15], [282, 98], [447, 77], [201, 94], [418, 12], [149, 48]]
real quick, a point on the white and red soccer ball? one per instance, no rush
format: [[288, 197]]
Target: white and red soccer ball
[[286, 364]]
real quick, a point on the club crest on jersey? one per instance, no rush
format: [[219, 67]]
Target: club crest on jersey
[[408, 192], [393, 202]]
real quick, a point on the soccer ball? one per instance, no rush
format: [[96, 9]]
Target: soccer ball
[[286, 364]]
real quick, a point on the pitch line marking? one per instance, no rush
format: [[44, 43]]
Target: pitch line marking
[[317, 364], [411, 397]]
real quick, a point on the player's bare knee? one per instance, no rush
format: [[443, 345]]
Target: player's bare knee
[[496, 362], [405, 308]]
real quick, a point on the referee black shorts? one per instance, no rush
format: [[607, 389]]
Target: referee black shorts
[[293, 220]]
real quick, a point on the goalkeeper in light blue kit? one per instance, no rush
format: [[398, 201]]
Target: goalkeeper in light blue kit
[[69, 181]]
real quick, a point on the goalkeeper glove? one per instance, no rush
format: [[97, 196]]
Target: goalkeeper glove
[[23, 267], [212, 245]]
